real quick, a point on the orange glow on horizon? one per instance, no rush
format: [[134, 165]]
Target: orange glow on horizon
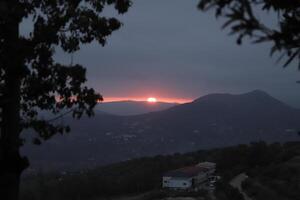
[[160, 99]]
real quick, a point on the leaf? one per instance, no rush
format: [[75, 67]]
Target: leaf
[[228, 23], [273, 50], [37, 141], [292, 56]]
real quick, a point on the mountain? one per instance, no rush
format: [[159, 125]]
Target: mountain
[[215, 120], [133, 107]]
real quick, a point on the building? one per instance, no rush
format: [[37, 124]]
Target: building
[[189, 177], [208, 165]]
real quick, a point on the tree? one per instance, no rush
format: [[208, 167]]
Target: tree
[[241, 16], [30, 78]]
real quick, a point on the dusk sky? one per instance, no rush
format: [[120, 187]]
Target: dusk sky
[[170, 50]]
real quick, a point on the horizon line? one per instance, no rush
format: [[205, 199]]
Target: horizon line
[[144, 99]]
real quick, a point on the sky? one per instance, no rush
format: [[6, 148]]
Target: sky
[[170, 50]]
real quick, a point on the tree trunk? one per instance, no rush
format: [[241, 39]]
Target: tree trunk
[[11, 163]]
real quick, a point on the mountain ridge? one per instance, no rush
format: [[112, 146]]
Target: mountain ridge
[[223, 120], [129, 107]]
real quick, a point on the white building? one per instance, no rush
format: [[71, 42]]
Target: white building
[[188, 177]]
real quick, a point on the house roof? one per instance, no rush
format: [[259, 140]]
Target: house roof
[[186, 172], [207, 164]]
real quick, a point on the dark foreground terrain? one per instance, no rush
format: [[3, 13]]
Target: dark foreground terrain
[[273, 170]]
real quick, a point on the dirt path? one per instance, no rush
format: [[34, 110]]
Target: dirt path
[[236, 182]]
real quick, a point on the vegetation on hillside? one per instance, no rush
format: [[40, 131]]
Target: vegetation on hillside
[[144, 174], [277, 181]]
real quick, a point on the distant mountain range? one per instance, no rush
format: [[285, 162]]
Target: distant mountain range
[[214, 120], [133, 107]]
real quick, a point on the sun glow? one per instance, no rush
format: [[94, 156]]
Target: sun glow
[[151, 100], [143, 98]]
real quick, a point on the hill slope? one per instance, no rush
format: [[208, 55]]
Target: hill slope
[[133, 107], [277, 166], [211, 121]]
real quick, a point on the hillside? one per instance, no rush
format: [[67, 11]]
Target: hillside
[[271, 163], [125, 108], [215, 120]]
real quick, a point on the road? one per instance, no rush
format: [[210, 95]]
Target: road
[[236, 182]]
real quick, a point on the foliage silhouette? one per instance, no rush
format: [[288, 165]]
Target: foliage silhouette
[[241, 17], [30, 78]]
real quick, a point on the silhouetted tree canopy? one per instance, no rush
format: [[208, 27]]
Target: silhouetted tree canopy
[[45, 83], [241, 17], [31, 79]]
